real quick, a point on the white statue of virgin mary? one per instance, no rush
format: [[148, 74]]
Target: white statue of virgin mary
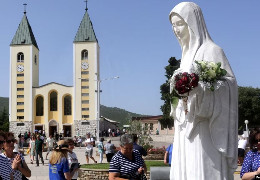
[[205, 140]]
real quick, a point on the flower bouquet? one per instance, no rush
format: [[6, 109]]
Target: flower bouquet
[[210, 72], [184, 82]]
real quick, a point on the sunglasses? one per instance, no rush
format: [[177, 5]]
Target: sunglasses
[[9, 141]]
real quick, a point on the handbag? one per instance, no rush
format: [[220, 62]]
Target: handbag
[[24, 178]]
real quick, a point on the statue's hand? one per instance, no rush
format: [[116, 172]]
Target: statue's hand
[[197, 90]]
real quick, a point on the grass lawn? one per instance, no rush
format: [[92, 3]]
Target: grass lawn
[[106, 165]]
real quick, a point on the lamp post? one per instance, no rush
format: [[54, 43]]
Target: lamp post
[[246, 122], [98, 100], [98, 91]]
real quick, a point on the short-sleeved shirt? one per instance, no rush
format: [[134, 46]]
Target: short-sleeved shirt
[[126, 167], [139, 148], [38, 145], [109, 148], [89, 146], [169, 150], [242, 143], [72, 158], [251, 162], [50, 142], [100, 147], [56, 171]]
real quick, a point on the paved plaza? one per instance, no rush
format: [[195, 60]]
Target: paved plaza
[[42, 172]]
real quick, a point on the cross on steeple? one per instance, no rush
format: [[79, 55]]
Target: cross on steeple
[[86, 4], [24, 8]]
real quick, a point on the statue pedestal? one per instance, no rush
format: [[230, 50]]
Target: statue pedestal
[[160, 173]]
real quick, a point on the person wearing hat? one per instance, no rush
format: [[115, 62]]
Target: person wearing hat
[[59, 165]]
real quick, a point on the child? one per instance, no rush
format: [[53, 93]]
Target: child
[[101, 149]]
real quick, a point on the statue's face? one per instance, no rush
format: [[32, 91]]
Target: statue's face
[[180, 28]]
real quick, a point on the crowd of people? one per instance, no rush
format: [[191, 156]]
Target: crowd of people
[[63, 162]]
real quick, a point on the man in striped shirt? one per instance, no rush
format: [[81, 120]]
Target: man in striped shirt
[[127, 163]]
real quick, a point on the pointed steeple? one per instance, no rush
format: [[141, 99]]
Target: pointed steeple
[[86, 31], [24, 34]]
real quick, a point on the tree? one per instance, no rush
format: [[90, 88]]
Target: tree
[[144, 137], [167, 120], [4, 120], [248, 106]]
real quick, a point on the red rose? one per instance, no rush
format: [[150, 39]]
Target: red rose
[[194, 84], [179, 84], [185, 79], [185, 74]]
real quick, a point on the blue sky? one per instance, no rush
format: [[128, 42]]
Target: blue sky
[[136, 41]]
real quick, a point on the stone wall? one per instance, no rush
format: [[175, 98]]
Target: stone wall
[[18, 127], [98, 174], [82, 127]]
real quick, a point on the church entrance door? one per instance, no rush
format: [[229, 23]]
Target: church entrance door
[[53, 127], [67, 130]]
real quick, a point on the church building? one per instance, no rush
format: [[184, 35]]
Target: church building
[[53, 107]]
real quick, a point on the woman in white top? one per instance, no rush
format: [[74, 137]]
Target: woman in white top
[[32, 148], [72, 158]]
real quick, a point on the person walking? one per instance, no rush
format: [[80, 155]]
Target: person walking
[[79, 142], [101, 149], [50, 144], [32, 148], [39, 146], [109, 150], [89, 142]]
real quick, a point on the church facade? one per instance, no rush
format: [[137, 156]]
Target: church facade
[[53, 107]]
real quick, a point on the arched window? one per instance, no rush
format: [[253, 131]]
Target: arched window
[[35, 59], [39, 106], [84, 55], [67, 105], [20, 57], [53, 101]]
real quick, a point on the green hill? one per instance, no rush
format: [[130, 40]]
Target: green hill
[[117, 114], [113, 113]]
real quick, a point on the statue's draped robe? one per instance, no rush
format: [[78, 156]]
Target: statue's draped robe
[[205, 140]]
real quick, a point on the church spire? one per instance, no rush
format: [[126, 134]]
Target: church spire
[[24, 33], [86, 31]]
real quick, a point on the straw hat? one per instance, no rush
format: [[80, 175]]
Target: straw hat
[[62, 144]]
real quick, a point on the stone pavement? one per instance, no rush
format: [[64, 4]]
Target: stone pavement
[[42, 172]]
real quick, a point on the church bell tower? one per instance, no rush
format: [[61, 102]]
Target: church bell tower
[[86, 76], [24, 75]]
